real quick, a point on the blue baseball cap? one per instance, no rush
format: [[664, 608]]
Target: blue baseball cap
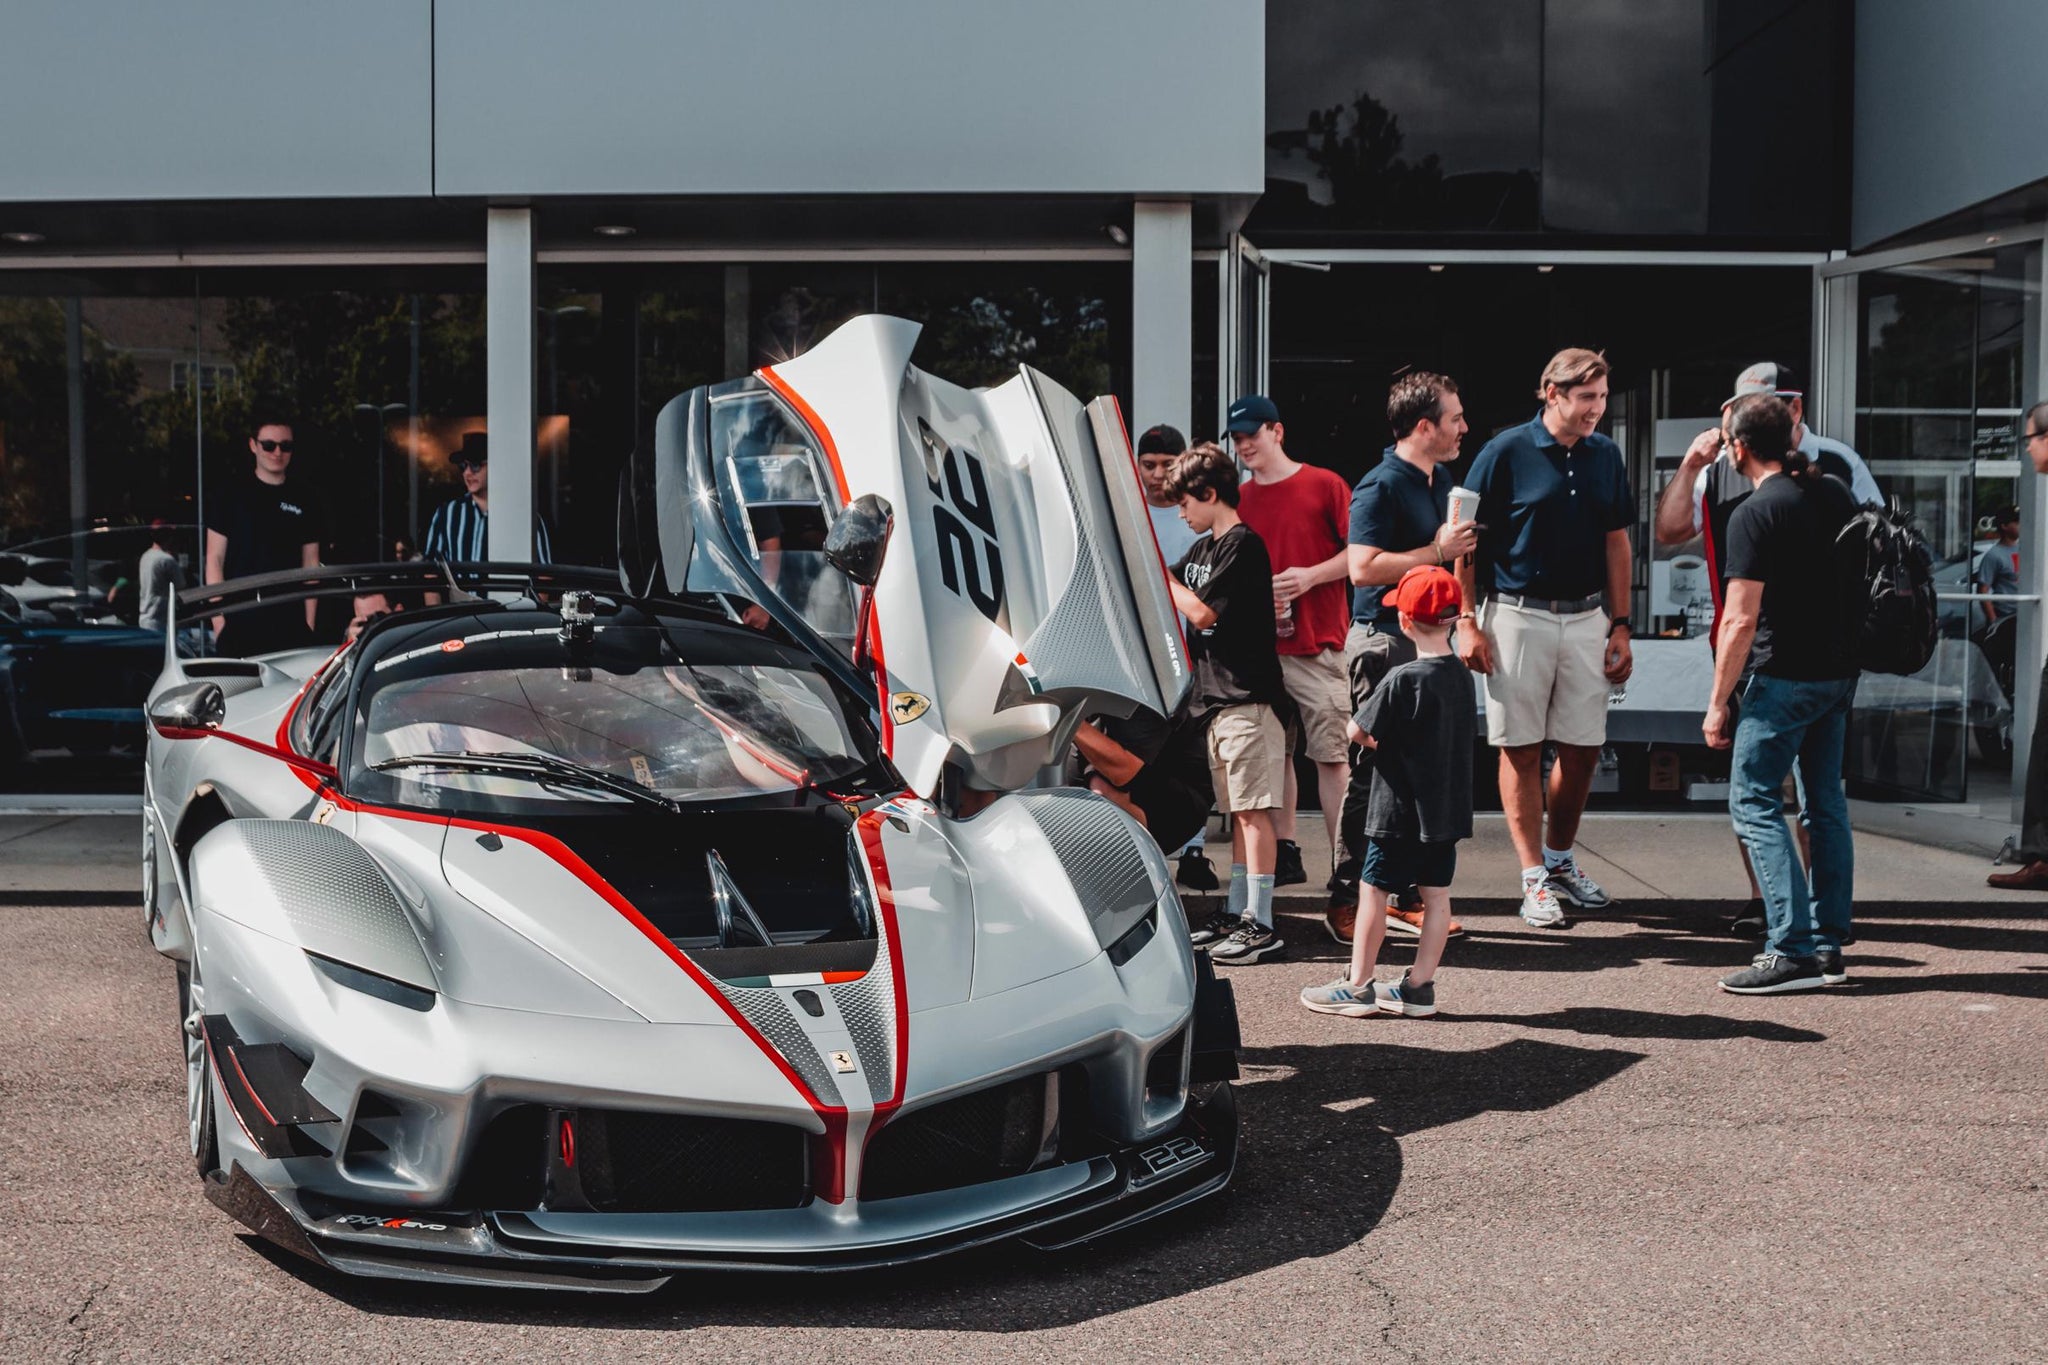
[[1251, 412]]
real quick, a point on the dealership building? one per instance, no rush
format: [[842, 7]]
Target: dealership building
[[396, 222]]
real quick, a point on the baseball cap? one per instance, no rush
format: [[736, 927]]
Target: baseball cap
[[1161, 440], [1251, 412], [1428, 594], [1768, 376]]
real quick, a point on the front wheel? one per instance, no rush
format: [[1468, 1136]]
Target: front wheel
[[199, 1118]]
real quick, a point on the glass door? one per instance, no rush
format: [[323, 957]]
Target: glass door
[[1247, 292], [1944, 360]]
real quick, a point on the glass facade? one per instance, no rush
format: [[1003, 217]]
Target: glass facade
[[1651, 119], [1944, 357], [131, 397]]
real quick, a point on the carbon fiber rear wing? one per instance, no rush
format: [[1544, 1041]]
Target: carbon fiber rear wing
[[457, 581]]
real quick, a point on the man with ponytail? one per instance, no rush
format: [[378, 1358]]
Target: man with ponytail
[[1784, 675]]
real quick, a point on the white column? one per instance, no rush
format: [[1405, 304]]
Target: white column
[[1162, 314], [508, 378]]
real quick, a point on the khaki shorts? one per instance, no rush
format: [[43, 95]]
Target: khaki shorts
[[1549, 679], [1247, 757], [1322, 694]]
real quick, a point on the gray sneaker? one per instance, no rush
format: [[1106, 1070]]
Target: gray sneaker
[[1341, 997], [1540, 909], [1406, 997], [1575, 886]]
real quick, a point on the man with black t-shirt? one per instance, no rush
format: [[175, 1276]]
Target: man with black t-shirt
[[1704, 494], [262, 524], [1785, 658]]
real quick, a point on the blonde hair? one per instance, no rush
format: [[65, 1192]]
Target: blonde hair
[[1570, 368]]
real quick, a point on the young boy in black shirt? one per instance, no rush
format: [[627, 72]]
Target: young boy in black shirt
[[1224, 587], [1419, 724]]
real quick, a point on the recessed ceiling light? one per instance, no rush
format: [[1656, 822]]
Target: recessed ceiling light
[[1545, 269], [21, 238], [1992, 240], [615, 230], [1436, 270], [1117, 233]]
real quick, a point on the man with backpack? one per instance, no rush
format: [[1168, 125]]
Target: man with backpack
[[1785, 669], [1703, 495]]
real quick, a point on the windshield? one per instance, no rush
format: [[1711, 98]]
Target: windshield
[[709, 714]]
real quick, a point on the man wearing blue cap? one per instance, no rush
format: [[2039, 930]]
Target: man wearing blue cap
[[1303, 514]]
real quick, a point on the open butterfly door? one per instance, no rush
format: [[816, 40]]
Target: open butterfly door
[[1022, 588]]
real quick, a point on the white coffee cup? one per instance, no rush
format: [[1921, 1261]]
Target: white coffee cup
[[1688, 578], [1464, 505]]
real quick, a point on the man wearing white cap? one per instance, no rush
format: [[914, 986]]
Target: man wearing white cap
[[1703, 495]]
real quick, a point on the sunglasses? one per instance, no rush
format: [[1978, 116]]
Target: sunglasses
[[269, 446], [469, 462]]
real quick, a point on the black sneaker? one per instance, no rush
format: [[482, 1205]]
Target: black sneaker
[[1832, 972], [1195, 873], [1215, 929], [1749, 921], [1251, 942], [1775, 975], [1287, 868]]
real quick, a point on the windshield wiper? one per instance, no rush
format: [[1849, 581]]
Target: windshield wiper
[[534, 765]]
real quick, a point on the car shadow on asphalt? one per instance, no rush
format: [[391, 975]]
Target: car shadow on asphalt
[[1319, 1161]]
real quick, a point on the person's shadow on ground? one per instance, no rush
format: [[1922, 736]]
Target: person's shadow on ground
[[1318, 1163]]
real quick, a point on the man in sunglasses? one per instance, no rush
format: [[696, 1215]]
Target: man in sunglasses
[[262, 524], [459, 532]]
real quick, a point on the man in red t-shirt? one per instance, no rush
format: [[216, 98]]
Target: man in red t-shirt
[[1303, 514]]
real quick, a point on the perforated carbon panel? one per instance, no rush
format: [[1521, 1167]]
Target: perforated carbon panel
[[767, 1011], [1095, 847], [335, 897], [869, 1008]]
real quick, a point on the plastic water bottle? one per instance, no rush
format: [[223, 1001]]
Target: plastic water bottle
[[1283, 621]]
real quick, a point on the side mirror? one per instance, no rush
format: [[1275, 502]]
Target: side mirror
[[859, 538], [190, 707]]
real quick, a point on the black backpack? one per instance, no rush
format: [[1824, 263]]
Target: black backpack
[[1888, 582]]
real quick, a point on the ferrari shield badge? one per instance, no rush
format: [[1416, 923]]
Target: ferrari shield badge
[[843, 1061], [905, 707]]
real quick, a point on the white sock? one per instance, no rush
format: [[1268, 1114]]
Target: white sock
[[1259, 905], [1553, 860], [1238, 889], [1531, 875]]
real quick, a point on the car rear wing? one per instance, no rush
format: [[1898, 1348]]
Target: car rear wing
[[458, 581]]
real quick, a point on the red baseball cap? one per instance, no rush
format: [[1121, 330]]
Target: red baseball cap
[[1428, 594]]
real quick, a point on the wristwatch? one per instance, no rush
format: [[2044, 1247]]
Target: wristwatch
[[1615, 623]]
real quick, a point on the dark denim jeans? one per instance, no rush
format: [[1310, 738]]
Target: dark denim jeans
[[1797, 728]]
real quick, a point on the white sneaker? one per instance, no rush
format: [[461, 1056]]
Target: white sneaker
[[1576, 887], [1540, 909]]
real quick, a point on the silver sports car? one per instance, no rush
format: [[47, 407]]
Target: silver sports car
[[715, 911]]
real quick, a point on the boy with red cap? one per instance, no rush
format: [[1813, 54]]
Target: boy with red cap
[[1419, 723]]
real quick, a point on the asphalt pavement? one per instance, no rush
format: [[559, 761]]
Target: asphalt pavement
[[1591, 1154]]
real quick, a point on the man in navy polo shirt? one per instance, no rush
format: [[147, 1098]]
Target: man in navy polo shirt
[[1553, 568], [1397, 523]]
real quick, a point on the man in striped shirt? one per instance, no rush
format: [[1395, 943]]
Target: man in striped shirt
[[460, 529]]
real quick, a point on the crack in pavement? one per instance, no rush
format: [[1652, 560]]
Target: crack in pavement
[[78, 1350], [1622, 867]]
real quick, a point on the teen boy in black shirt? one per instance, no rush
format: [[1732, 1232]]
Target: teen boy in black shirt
[[1419, 724], [1224, 587], [261, 524]]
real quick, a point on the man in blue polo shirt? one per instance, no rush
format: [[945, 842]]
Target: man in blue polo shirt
[[1553, 569], [1397, 523]]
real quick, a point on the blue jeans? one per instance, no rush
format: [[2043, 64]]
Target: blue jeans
[[1798, 728]]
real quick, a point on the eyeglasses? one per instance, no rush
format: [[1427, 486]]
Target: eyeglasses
[[269, 446], [2036, 435]]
